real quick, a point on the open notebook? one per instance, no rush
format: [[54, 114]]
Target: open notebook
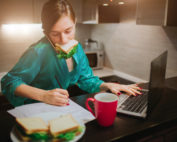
[[142, 105]]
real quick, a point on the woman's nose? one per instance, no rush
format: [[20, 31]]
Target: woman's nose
[[63, 39]]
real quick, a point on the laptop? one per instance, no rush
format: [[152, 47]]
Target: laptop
[[142, 105]]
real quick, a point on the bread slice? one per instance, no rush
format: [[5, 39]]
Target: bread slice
[[63, 124], [67, 47], [33, 124], [20, 136]]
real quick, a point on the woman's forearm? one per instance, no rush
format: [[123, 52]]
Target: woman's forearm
[[30, 92], [57, 96], [104, 86]]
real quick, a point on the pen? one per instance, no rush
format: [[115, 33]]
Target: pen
[[58, 82]]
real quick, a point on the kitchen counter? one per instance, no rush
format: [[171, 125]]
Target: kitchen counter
[[161, 125], [108, 72], [103, 72]]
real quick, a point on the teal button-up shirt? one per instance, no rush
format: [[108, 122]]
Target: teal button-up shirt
[[38, 67]]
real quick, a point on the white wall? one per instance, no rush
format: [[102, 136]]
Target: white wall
[[130, 47]]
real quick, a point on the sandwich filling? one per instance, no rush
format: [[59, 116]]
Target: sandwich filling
[[33, 136], [69, 135], [68, 50], [64, 55], [63, 128]]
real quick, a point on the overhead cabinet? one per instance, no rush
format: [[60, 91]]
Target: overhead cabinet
[[29, 11], [37, 9], [157, 12], [151, 12], [108, 14], [21, 11], [76, 4], [77, 7], [95, 12], [171, 15], [16, 11], [90, 12]]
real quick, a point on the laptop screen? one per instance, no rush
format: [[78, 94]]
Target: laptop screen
[[157, 79]]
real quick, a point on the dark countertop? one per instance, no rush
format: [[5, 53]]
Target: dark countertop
[[160, 126], [163, 118]]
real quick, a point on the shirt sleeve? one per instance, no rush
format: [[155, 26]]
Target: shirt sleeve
[[87, 81], [23, 72]]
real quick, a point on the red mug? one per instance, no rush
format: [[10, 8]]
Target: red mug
[[105, 105]]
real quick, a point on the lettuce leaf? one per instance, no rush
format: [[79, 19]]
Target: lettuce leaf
[[34, 136], [70, 135], [69, 55]]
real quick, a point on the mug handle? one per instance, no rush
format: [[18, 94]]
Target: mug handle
[[87, 105]]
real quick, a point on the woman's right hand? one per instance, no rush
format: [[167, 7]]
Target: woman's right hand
[[58, 97]]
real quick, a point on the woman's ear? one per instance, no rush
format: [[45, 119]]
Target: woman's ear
[[45, 33]]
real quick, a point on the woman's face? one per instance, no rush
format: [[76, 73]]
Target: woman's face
[[63, 31]]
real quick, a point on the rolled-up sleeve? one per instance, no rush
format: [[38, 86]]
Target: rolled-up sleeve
[[23, 72], [87, 81]]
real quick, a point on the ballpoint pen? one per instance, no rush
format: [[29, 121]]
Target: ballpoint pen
[[59, 85]]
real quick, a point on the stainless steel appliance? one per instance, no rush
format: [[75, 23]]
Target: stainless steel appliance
[[95, 58], [95, 54], [91, 44]]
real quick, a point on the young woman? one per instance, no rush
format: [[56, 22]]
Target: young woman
[[34, 77]]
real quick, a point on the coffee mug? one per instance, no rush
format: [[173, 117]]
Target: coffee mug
[[105, 105]]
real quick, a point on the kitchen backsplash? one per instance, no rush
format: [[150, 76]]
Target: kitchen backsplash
[[130, 48]]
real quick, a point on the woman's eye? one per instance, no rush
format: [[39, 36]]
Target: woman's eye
[[54, 34], [68, 31]]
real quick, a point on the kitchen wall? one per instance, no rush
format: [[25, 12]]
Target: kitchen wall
[[14, 40], [130, 47]]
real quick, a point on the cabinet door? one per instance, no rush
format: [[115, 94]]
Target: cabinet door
[[38, 4], [172, 13], [151, 12], [76, 4], [16, 11], [90, 11], [108, 14], [77, 7]]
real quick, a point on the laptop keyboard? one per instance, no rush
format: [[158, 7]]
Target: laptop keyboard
[[135, 104]]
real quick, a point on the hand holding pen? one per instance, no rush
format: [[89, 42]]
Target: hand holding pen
[[58, 96]]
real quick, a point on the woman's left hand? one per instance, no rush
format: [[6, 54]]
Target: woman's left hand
[[115, 88]]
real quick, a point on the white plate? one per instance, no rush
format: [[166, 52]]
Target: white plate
[[47, 116]]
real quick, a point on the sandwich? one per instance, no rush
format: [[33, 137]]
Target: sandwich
[[67, 50], [64, 128], [31, 129]]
